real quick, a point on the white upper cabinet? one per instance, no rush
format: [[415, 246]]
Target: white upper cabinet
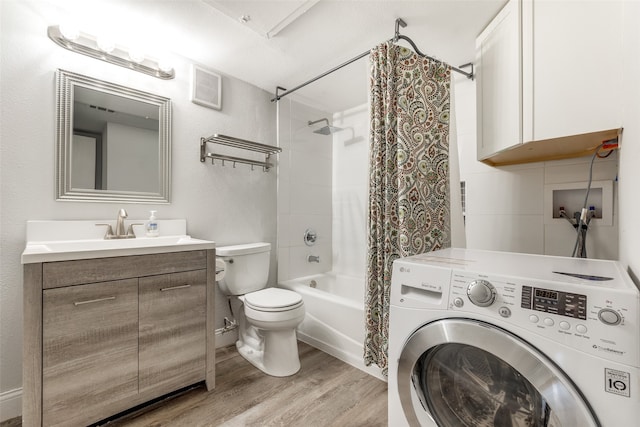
[[548, 80], [499, 82]]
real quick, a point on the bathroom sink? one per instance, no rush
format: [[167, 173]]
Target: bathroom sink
[[62, 249]]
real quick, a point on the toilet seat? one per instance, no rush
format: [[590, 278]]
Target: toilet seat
[[273, 300]]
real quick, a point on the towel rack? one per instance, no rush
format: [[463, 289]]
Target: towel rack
[[230, 141]]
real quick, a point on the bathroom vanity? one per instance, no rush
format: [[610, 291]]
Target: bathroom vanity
[[109, 325]]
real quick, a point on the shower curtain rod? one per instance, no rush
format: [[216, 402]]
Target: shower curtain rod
[[399, 23]]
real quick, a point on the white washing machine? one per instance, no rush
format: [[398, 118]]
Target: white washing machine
[[480, 338]]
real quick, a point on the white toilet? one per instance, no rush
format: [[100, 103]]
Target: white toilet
[[267, 317]]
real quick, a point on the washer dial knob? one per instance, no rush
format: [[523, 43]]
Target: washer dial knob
[[609, 317], [481, 293]]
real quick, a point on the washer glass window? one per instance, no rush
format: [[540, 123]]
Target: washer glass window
[[464, 385], [464, 372]]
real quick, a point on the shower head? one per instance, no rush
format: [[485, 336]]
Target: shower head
[[327, 130], [324, 130]]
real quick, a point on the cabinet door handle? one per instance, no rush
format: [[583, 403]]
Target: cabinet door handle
[[91, 301], [172, 288]]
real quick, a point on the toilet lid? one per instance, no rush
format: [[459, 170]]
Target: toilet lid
[[272, 298]]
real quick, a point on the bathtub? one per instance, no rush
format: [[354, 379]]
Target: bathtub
[[334, 320]]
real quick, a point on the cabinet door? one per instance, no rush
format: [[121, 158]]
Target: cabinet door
[[499, 82], [577, 50], [172, 330], [90, 351]]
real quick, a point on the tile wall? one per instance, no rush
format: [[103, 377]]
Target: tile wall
[[350, 191], [304, 191], [505, 206]]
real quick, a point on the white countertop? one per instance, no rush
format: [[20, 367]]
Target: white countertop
[[49, 241]]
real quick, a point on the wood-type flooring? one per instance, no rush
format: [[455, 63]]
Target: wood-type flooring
[[326, 392]]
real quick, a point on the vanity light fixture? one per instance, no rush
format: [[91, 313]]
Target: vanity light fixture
[[106, 50]]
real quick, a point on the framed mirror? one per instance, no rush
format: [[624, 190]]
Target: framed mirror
[[113, 142]]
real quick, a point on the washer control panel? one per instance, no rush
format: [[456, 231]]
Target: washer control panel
[[555, 302], [598, 322], [590, 305]]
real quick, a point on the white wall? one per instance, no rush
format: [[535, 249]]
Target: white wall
[[304, 191], [630, 150], [505, 206], [223, 204]]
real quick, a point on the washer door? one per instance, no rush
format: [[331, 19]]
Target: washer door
[[461, 372]]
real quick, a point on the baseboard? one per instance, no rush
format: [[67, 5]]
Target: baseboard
[[10, 404]]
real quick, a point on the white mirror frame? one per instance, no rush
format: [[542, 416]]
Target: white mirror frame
[[65, 83]]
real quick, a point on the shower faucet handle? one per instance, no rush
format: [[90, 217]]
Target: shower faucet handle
[[310, 237]]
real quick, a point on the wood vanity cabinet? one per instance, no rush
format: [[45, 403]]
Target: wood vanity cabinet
[[104, 335], [172, 330], [89, 349]]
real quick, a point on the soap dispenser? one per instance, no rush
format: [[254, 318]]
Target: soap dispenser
[[152, 225]]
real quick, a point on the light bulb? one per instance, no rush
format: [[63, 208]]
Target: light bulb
[[69, 31], [136, 55], [164, 65], [106, 44]]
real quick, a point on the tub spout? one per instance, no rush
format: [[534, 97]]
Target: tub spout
[[313, 258]]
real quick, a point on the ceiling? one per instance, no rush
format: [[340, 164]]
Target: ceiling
[[287, 42], [266, 18]]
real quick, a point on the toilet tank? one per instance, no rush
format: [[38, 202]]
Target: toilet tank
[[246, 269]]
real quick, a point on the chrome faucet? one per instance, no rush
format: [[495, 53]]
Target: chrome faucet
[[120, 233], [313, 258], [122, 214]]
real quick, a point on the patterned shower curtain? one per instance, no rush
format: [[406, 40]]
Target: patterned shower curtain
[[408, 175]]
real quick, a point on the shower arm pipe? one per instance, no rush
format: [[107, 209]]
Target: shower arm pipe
[[399, 23], [310, 123]]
